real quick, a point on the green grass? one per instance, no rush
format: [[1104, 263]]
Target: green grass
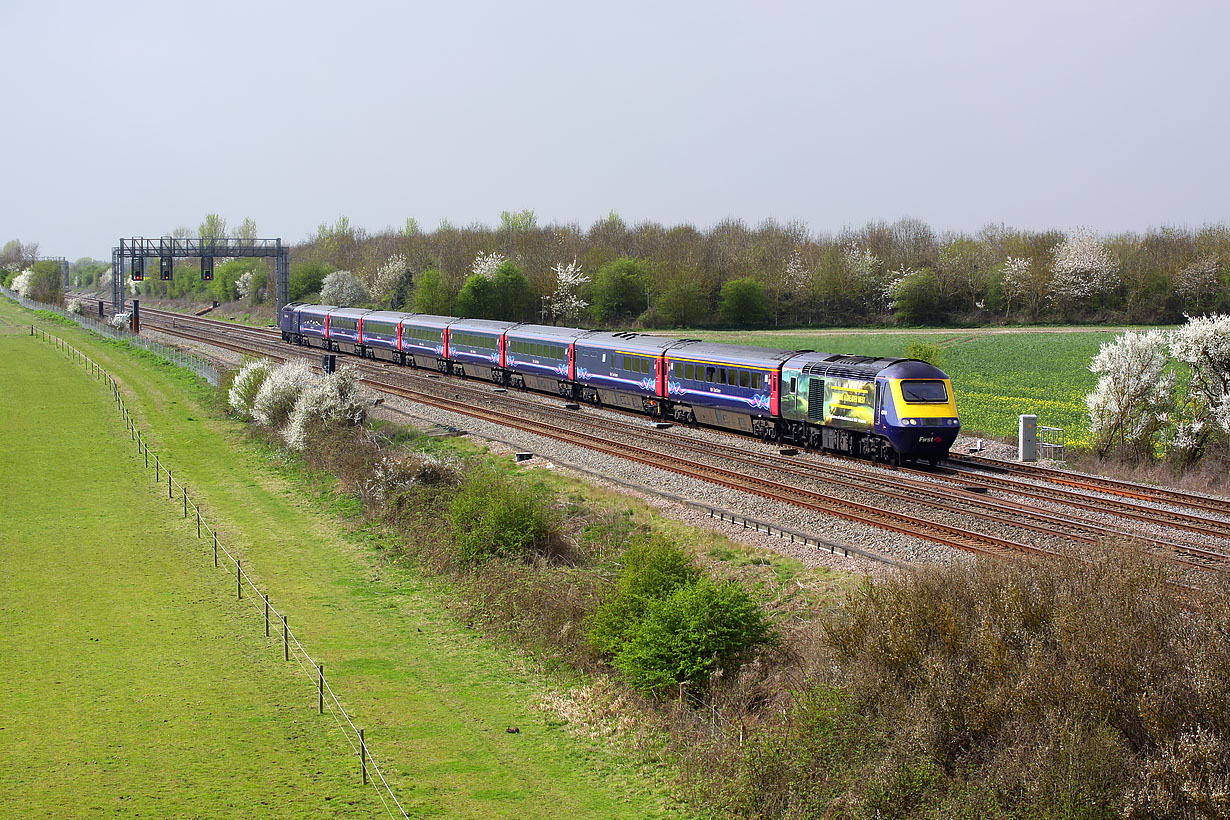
[[131, 687], [434, 696], [997, 374]]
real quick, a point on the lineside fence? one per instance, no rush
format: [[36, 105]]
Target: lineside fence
[[245, 588], [176, 357]]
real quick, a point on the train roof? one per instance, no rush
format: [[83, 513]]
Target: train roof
[[482, 325], [746, 355], [390, 316], [848, 366], [349, 312], [315, 310], [630, 342], [427, 320], [913, 369], [550, 332]]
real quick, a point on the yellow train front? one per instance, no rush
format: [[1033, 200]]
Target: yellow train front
[[889, 410]]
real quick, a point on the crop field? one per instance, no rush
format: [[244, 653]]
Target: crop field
[[135, 685], [997, 374]]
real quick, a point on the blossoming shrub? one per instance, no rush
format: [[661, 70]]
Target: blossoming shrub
[[1131, 404], [247, 385], [21, 282], [278, 393], [330, 402]]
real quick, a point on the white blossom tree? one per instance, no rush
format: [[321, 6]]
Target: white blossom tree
[[1203, 344], [1199, 281], [387, 275], [868, 273], [1016, 281], [22, 282], [486, 264], [332, 401], [342, 288], [1132, 402], [565, 303], [280, 391], [1083, 269], [247, 385], [243, 285]]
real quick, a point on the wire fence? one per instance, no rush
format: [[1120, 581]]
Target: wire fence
[[177, 357], [245, 587]]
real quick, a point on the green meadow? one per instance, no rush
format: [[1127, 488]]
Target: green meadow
[[134, 685]]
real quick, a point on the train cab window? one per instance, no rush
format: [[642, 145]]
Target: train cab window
[[918, 391], [794, 383], [744, 378]]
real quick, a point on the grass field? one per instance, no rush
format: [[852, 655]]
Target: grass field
[[997, 374], [135, 685]]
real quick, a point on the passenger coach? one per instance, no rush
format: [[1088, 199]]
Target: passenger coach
[[878, 408]]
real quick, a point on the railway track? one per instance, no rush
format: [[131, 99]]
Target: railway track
[[968, 498]]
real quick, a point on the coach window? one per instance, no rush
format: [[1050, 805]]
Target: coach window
[[755, 381], [691, 372], [744, 378], [709, 373]]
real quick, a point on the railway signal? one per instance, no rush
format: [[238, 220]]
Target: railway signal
[[207, 268], [138, 268], [165, 268]]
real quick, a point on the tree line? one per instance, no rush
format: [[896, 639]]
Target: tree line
[[731, 274], [777, 274]]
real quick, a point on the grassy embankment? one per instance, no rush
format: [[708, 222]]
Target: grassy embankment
[[177, 708]]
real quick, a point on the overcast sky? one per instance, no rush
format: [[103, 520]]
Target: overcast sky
[[127, 118]]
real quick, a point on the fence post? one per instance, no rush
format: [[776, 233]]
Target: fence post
[[238, 579], [185, 502], [266, 596], [145, 449], [216, 564], [363, 755], [169, 493], [321, 705], [157, 468], [198, 520], [285, 640]]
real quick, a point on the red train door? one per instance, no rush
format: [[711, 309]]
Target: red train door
[[775, 393]]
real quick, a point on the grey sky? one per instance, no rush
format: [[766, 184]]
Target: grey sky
[[129, 118]]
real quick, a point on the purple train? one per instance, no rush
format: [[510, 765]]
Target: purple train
[[887, 410]]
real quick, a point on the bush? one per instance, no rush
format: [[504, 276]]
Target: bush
[[916, 299], [744, 302], [331, 402], [698, 629], [306, 278], [247, 385], [279, 392], [931, 354], [494, 515], [653, 568]]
